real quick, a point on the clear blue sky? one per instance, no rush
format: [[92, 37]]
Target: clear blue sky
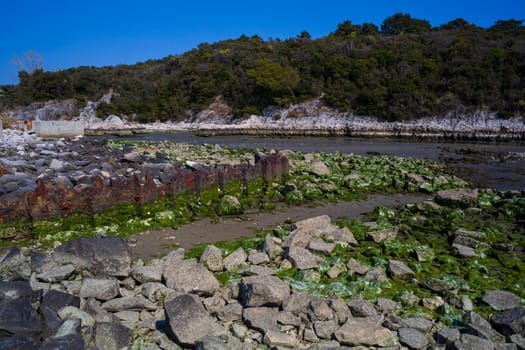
[[74, 33]]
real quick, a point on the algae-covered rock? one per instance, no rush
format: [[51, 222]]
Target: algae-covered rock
[[230, 205]]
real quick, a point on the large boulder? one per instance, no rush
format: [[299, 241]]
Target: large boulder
[[501, 300], [302, 258], [99, 288], [18, 317], [110, 336], [305, 230], [212, 258], [319, 168], [261, 319], [413, 338], [187, 320], [357, 332], [263, 290], [235, 259], [102, 256], [510, 322], [461, 197], [188, 276]]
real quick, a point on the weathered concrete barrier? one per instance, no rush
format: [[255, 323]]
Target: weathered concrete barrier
[[58, 128], [51, 199]]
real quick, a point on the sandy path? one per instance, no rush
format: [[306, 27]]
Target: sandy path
[[157, 242]]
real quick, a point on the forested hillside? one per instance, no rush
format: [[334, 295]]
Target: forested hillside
[[403, 70]]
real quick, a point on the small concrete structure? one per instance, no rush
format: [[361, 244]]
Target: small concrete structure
[[58, 128]]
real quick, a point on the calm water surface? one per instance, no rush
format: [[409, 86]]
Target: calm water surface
[[498, 165]]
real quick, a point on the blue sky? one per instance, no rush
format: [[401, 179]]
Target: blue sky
[[98, 33]]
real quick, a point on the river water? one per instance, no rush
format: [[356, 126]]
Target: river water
[[499, 165]]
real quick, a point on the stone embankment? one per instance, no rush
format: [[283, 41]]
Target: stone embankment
[[89, 294], [41, 179]]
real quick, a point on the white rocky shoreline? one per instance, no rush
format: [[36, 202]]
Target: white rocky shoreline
[[309, 118]]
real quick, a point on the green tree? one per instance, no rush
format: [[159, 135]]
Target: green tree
[[404, 23], [346, 30], [279, 80]]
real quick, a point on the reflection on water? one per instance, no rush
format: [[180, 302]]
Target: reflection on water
[[498, 165]]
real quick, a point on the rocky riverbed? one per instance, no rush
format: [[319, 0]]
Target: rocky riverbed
[[311, 284]]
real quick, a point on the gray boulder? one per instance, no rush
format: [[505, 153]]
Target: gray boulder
[[478, 326], [279, 339], [108, 256], [19, 343], [270, 247], [465, 251], [230, 312], [13, 266], [261, 319], [357, 267], [302, 258], [471, 342], [501, 300], [187, 319], [462, 197], [17, 317], [57, 274], [235, 259], [356, 332], [13, 290], [325, 329], [258, 258], [412, 338], [212, 258], [362, 308], [263, 290], [320, 246], [319, 168], [188, 276], [144, 274], [99, 288], [211, 343], [448, 336], [398, 268], [341, 236], [111, 336], [305, 230], [381, 235], [510, 322], [298, 302]]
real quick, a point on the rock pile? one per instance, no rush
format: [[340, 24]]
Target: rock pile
[[88, 294], [41, 179]]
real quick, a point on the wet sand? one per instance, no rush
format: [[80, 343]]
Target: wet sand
[[155, 243]]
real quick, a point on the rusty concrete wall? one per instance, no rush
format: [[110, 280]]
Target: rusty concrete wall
[[49, 200]]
